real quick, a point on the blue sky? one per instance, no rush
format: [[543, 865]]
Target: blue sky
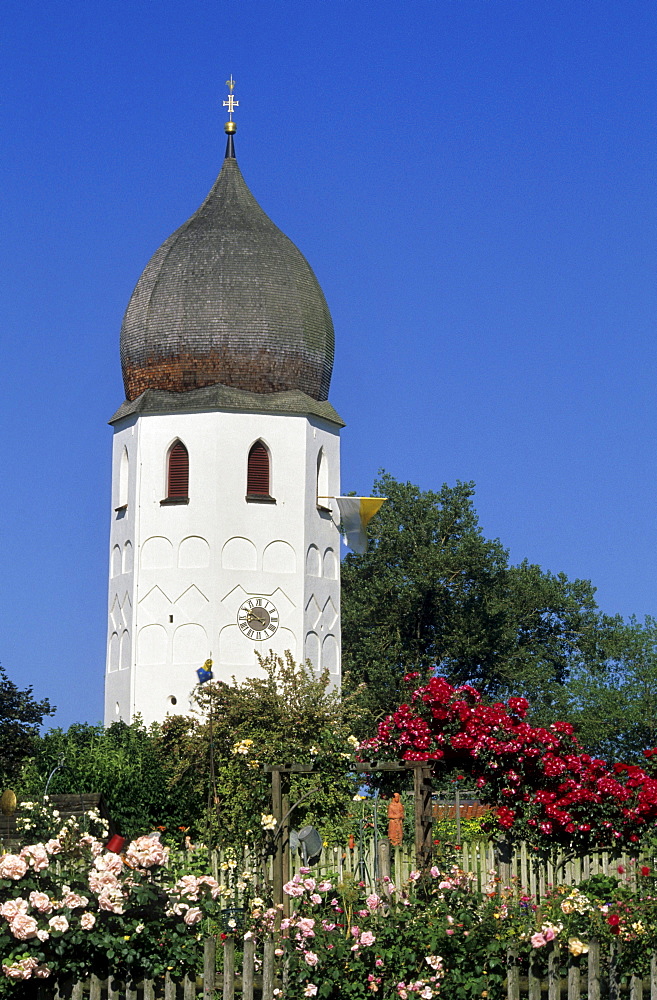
[[472, 182]]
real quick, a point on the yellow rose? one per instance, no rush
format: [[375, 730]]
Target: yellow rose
[[577, 947]]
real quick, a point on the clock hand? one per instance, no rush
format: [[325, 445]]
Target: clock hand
[[252, 614]]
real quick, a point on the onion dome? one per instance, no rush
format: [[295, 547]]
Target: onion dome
[[228, 299]]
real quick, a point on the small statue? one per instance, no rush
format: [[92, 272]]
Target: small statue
[[396, 820]]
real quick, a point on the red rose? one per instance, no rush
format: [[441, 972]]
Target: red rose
[[613, 920], [645, 871]]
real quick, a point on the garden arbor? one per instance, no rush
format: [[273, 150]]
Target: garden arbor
[[282, 811]]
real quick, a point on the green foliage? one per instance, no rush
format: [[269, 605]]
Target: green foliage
[[20, 717], [288, 714], [614, 708], [432, 594], [128, 765]]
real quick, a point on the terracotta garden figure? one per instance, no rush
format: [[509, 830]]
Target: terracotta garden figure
[[395, 820]]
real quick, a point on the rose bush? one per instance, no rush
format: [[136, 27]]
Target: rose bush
[[544, 789], [69, 907]]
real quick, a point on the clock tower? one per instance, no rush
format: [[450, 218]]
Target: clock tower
[[224, 537]]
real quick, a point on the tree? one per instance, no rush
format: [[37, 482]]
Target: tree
[[614, 708], [127, 764], [287, 715], [432, 594], [20, 717]]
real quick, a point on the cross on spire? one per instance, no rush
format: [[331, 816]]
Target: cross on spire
[[231, 103]]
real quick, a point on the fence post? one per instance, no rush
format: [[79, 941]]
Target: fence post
[[229, 968], [423, 814], [248, 967], [594, 970], [636, 988], [614, 981], [512, 974], [209, 966], [383, 852], [653, 977], [573, 978], [554, 982], [268, 968], [277, 810], [533, 978]]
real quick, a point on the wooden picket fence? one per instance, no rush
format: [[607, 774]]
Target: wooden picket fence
[[477, 857], [593, 976]]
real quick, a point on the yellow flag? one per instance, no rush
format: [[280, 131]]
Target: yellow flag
[[355, 514]]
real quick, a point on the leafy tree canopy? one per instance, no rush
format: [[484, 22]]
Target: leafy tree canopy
[[20, 717], [614, 709], [288, 714], [433, 594]]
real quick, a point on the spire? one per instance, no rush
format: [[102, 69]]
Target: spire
[[230, 128]]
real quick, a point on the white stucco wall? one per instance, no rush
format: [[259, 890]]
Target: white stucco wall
[[178, 574]]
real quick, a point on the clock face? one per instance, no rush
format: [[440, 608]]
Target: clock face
[[257, 618]]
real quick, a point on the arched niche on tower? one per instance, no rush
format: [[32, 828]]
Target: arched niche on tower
[[330, 564], [239, 553], [124, 657], [193, 553], [313, 561], [234, 648], [116, 560], [311, 651], [279, 557], [330, 659], [114, 649], [152, 645], [190, 644], [127, 558], [156, 553]]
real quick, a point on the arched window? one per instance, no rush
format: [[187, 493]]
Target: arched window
[[178, 472], [124, 472], [257, 476], [322, 481]]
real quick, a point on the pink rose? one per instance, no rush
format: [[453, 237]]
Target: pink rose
[[146, 852], [87, 920], [11, 866], [311, 958], [537, 940], [36, 856], [188, 886], [293, 889], [108, 862], [111, 901], [41, 972], [58, 924], [23, 927], [305, 926], [21, 969], [74, 902], [53, 846], [41, 902], [192, 916], [12, 907], [43, 935], [367, 938], [549, 933]]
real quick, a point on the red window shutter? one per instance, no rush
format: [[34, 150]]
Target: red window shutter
[[178, 479], [257, 480]]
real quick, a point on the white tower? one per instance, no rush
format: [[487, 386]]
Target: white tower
[[222, 538]]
